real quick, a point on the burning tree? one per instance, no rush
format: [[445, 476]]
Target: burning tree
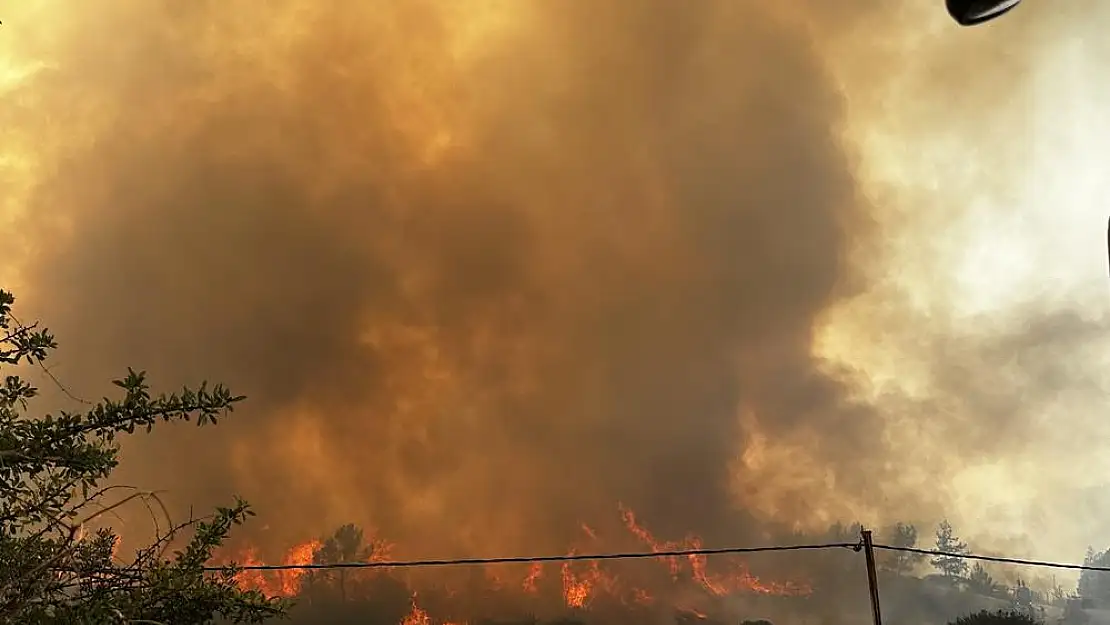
[[53, 568]]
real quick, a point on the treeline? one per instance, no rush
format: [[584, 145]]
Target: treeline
[[962, 574]]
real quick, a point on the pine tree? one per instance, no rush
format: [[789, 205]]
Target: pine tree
[[902, 562], [951, 566], [1087, 580], [1094, 586]]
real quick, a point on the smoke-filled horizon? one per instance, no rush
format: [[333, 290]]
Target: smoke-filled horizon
[[486, 269]]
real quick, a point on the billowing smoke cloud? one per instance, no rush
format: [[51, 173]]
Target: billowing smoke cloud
[[483, 269]]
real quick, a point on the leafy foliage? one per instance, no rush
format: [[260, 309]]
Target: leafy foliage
[[52, 568], [1000, 617]]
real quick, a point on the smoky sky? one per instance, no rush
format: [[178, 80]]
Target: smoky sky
[[483, 272]]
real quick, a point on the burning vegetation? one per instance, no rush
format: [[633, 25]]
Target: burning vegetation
[[689, 587]]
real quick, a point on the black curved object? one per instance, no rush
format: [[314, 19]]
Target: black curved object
[[972, 12]]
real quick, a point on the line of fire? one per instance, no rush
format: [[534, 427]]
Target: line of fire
[[664, 590]]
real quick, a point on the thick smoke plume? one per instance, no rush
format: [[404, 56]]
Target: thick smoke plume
[[484, 269]]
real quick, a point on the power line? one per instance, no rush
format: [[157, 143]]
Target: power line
[[1000, 559], [629, 555], [635, 555]]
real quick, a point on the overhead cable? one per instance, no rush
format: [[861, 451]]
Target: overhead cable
[[999, 559], [629, 555]]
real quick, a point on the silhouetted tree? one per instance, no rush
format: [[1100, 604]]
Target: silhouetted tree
[[951, 566], [1094, 586], [1086, 586], [51, 469], [345, 545], [901, 562]]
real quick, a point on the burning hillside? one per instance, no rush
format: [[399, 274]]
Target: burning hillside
[[687, 584]]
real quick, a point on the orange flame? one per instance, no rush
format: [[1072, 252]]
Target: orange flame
[[579, 589], [381, 550], [575, 591], [583, 582], [645, 537], [740, 580], [298, 556], [251, 580], [418, 616], [285, 583], [535, 572]]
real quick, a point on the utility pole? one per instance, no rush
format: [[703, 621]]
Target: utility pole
[[872, 576]]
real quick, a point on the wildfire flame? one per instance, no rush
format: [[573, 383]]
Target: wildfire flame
[[283, 583], [418, 616], [580, 584], [535, 572], [739, 580]]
